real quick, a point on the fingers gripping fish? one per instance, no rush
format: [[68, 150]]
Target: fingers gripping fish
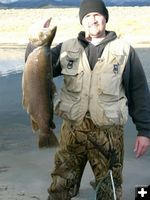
[[38, 87]]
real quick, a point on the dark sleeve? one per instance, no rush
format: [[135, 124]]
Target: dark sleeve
[[137, 92], [55, 57], [55, 60]]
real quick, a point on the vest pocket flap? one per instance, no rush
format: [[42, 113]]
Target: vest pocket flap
[[62, 106], [70, 56], [73, 79], [74, 55], [68, 109], [62, 109], [110, 84], [72, 72], [66, 106], [70, 62]]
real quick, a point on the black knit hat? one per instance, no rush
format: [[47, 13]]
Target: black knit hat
[[88, 6]]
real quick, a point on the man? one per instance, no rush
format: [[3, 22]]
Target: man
[[103, 80]]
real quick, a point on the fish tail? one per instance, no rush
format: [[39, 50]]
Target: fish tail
[[48, 140]]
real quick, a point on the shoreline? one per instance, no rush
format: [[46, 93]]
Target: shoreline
[[23, 46]]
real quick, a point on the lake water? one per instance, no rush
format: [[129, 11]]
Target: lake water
[[21, 161]]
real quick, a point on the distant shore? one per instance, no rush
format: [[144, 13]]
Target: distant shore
[[130, 23]]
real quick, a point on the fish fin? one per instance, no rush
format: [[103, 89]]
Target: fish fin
[[93, 184], [34, 125], [54, 90], [48, 140], [52, 125]]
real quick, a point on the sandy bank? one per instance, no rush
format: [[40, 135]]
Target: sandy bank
[[131, 23]]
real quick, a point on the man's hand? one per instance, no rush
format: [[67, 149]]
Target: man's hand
[[141, 145]]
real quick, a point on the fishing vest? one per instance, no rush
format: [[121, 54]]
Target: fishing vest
[[97, 93]]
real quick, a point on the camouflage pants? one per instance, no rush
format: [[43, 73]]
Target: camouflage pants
[[102, 147]]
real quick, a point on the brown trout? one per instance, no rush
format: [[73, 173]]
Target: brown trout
[[38, 87]]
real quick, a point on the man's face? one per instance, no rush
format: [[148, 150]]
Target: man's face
[[94, 24]]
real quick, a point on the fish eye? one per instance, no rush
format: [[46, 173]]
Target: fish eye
[[41, 35]]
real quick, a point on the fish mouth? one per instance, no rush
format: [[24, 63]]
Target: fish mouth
[[49, 32], [43, 35], [47, 25]]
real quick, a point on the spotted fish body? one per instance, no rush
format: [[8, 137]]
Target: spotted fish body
[[38, 88]]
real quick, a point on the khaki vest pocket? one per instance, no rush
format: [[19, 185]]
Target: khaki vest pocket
[[116, 112], [67, 110], [73, 80], [70, 61], [109, 83]]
